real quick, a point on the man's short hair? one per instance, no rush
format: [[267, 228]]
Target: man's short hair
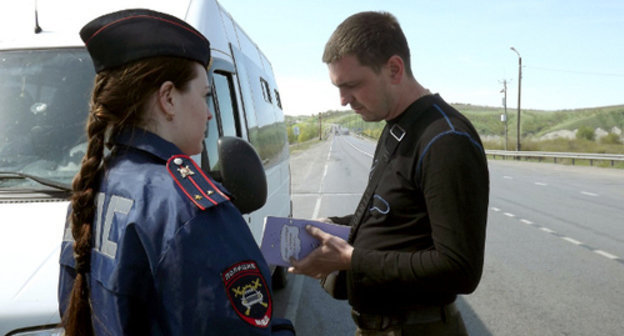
[[372, 37]]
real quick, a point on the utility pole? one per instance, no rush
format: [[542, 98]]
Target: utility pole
[[504, 116], [320, 128], [519, 90]]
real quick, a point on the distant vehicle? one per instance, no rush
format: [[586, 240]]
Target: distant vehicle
[[339, 130], [45, 81]]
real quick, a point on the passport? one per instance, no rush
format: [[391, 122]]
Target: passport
[[286, 237]]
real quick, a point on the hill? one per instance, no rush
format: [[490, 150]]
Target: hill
[[599, 125], [537, 123]]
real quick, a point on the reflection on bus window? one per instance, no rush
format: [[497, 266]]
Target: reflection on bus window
[[45, 97], [227, 111], [213, 135]]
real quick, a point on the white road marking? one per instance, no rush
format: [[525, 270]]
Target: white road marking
[[325, 171], [541, 183], [295, 296], [317, 208], [587, 193], [359, 150], [547, 230], [315, 194], [310, 194], [568, 239], [573, 241], [606, 254]]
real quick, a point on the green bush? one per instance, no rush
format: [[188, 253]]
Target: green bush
[[291, 135], [611, 139], [585, 132], [307, 131]]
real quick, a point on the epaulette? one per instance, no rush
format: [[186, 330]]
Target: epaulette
[[198, 187]]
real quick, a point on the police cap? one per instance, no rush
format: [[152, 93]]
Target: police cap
[[129, 35]]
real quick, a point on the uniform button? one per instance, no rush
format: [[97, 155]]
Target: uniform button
[[178, 161]]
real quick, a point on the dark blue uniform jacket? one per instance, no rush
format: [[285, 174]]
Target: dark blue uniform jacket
[[172, 255]]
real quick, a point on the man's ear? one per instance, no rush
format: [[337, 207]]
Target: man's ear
[[396, 69], [166, 99]]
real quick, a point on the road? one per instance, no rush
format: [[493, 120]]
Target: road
[[554, 262]]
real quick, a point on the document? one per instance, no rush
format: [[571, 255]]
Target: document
[[286, 237]]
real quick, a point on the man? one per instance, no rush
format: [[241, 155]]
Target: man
[[417, 238]]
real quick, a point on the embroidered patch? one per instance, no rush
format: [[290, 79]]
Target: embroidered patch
[[248, 293]]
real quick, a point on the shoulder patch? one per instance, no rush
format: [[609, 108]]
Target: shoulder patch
[[198, 187], [248, 293]]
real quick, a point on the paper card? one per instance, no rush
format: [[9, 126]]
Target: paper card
[[286, 237]]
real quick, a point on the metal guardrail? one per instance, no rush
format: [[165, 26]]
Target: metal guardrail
[[591, 157]]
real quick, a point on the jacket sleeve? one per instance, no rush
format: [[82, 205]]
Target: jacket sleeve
[[282, 327], [342, 220], [66, 276]]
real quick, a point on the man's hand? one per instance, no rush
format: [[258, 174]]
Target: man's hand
[[333, 254]]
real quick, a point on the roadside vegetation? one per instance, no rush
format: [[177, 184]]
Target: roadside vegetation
[[591, 130]]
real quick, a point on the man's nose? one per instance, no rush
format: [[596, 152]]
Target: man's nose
[[345, 97]]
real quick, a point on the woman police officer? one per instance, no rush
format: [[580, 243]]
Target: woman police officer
[[156, 247]]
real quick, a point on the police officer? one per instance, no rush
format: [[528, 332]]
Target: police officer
[[155, 247], [418, 235]]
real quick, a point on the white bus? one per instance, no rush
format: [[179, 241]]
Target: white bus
[[45, 81]]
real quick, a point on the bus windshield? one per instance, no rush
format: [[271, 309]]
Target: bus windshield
[[44, 103]]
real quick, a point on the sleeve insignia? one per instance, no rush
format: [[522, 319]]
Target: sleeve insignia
[[248, 293], [196, 185]]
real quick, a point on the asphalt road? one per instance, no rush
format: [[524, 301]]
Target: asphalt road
[[554, 261]]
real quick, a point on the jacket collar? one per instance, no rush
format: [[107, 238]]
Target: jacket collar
[[417, 106], [148, 142]]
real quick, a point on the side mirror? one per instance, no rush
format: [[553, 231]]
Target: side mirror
[[242, 173]]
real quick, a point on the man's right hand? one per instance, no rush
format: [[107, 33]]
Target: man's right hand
[[333, 254]]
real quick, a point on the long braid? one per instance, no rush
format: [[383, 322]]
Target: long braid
[[77, 319]]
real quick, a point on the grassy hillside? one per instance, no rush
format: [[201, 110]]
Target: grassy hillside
[[487, 121], [536, 123]]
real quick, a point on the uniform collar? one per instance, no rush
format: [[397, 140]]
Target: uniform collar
[[148, 142]]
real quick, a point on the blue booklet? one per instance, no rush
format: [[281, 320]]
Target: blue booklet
[[286, 237]]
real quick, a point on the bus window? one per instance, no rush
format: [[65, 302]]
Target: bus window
[[211, 161], [278, 100], [266, 92], [227, 107]]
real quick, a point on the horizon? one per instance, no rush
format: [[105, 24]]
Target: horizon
[[509, 109]]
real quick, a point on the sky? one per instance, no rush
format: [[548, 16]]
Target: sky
[[572, 50]]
